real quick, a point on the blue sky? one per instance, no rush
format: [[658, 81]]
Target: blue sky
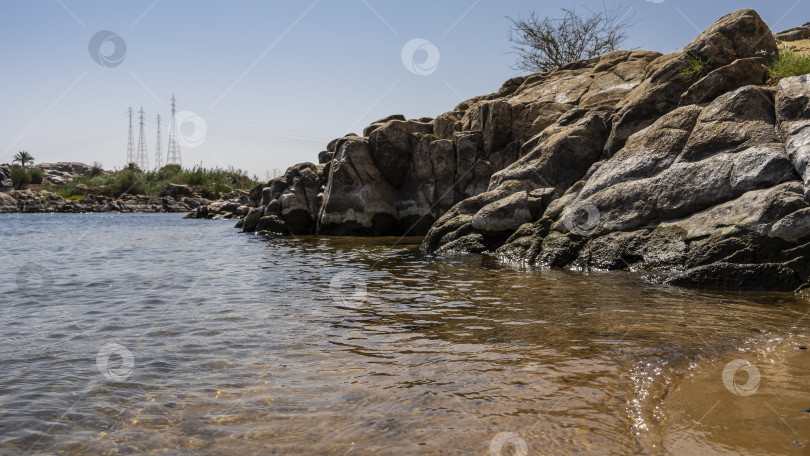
[[273, 81]]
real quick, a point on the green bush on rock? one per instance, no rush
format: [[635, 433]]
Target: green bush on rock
[[36, 176], [19, 177], [785, 64]]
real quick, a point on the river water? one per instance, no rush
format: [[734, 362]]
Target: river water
[[151, 334]]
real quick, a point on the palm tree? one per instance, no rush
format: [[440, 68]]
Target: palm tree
[[23, 157]]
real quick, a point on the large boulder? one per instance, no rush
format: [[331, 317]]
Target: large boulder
[[793, 114], [739, 35], [5, 178], [177, 191], [7, 203], [358, 198], [739, 73], [62, 172], [293, 197], [391, 146]]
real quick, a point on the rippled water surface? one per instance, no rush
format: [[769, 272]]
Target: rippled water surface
[[150, 334]]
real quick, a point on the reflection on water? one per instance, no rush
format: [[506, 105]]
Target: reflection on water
[[135, 334]]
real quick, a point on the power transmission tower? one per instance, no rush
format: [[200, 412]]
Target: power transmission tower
[[158, 149], [130, 149], [173, 154], [142, 160]]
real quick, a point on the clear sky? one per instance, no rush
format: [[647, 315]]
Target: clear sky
[[273, 81]]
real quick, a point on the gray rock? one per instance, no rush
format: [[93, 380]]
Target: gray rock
[[177, 191], [358, 199], [793, 113], [5, 178], [739, 73], [272, 224], [739, 35], [251, 220]]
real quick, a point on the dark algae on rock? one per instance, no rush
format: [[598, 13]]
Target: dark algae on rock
[[618, 162]]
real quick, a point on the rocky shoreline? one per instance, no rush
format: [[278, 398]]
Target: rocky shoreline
[[173, 198], [618, 162]]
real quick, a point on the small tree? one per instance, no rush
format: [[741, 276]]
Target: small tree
[[133, 167], [96, 170], [546, 44], [23, 157], [19, 177], [36, 176]]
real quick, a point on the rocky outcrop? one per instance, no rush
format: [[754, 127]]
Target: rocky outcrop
[[619, 162], [795, 33], [62, 172], [402, 175], [739, 35], [708, 193], [710, 186]]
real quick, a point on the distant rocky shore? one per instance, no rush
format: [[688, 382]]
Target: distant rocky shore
[[173, 197], [619, 162]]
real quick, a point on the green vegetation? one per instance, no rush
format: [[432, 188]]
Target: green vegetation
[[22, 157], [96, 170], [19, 177], [695, 69], [36, 176], [785, 64], [132, 180]]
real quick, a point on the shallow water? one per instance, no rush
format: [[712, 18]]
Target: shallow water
[[150, 334]]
